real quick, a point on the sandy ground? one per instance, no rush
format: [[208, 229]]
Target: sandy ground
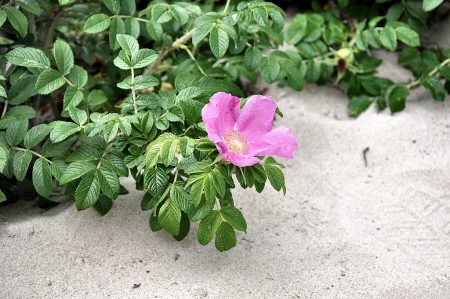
[[343, 230]]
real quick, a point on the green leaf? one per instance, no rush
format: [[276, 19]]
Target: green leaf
[[218, 42], [433, 85], [72, 97], [297, 29], [129, 44], [75, 170], [4, 155], [17, 19], [97, 23], [180, 197], [2, 197], [155, 179], [63, 56], [16, 131], [117, 27], [396, 97], [175, 114], [225, 237], [78, 76], [62, 130], [109, 183], [252, 57], [270, 69], [21, 163], [113, 6], [42, 178], [128, 7], [169, 217], [143, 58], [408, 36], [87, 192], [48, 81], [3, 92], [103, 205], [388, 38], [274, 174], [96, 97], [234, 217], [28, 57], [200, 33], [77, 115], [2, 19], [208, 227], [37, 133], [358, 105], [429, 5], [31, 6]]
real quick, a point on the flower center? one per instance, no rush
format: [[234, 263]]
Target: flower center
[[236, 142]]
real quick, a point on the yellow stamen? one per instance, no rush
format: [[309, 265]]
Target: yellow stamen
[[236, 142]]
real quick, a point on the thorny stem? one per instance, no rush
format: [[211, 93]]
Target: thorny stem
[[431, 73], [51, 28], [133, 92], [34, 153], [175, 45]]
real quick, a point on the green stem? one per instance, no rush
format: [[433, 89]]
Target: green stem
[[127, 17], [226, 6], [133, 92], [193, 58], [431, 73], [5, 108], [68, 81], [34, 153]]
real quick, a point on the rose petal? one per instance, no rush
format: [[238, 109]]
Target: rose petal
[[256, 117], [220, 115], [241, 161], [278, 142]]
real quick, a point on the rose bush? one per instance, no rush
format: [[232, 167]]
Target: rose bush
[[95, 91]]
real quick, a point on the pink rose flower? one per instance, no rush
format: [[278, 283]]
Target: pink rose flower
[[241, 136]]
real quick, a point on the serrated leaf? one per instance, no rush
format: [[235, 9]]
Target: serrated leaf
[[42, 178], [63, 56], [113, 6], [252, 57], [31, 6], [218, 42], [16, 131], [129, 44], [62, 130], [270, 69], [274, 174], [200, 33], [433, 85], [169, 217], [396, 97], [36, 134], [109, 183], [388, 38], [72, 97], [48, 81], [87, 192], [180, 197], [28, 57], [225, 237], [17, 19], [408, 36], [97, 23], [78, 76], [76, 170], [234, 217], [358, 105], [117, 27], [143, 58], [21, 163], [155, 179], [77, 115], [4, 155], [208, 227]]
